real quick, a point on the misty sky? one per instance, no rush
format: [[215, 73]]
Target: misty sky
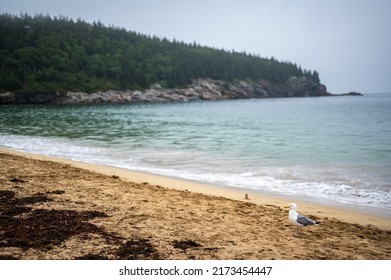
[[347, 41]]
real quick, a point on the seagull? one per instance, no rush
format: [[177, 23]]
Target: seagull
[[298, 219]]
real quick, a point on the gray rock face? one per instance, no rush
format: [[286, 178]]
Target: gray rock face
[[200, 89]]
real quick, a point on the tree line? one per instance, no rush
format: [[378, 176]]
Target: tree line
[[44, 54]]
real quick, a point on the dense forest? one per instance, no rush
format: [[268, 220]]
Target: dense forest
[[45, 54]]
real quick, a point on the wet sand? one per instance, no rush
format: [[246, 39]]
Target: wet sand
[[59, 209]]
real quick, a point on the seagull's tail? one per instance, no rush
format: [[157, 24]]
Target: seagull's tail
[[317, 223]]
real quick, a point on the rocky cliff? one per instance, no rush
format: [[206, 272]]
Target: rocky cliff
[[200, 89]]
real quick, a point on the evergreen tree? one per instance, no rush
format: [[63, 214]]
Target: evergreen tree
[[44, 54]]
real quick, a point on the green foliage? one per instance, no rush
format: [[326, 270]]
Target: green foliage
[[44, 54]]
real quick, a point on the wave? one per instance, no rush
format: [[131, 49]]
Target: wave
[[323, 183]]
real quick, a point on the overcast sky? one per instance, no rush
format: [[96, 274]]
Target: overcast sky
[[347, 41]]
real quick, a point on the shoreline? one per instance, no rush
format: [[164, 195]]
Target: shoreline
[[337, 211], [56, 209]]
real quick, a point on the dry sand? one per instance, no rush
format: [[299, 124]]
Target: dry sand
[[59, 209]]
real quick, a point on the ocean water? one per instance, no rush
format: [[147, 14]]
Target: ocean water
[[327, 149]]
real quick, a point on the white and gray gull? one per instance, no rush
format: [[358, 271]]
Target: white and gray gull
[[298, 219]]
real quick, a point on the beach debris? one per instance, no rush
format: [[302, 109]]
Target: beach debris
[[6, 195], [134, 249], [92, 257], [15, 210], [137, 249], [298, 219], [41, 228], [56, 192], [186, 244], [246, 196], [9, 200], [17, 180]]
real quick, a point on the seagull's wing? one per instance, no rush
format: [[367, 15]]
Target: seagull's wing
[[305, 221]]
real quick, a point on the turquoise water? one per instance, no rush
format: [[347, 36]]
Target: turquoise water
[[332, 149]]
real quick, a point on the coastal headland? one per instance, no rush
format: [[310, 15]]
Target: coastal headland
[[54, 208], [59, 61]]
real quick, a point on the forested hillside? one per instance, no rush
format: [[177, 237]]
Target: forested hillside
[[43, 54]]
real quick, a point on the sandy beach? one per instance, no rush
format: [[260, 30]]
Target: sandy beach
[[60, 209]]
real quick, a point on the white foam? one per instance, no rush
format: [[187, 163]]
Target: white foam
[[306, 182]]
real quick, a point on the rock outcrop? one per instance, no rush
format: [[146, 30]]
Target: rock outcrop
[[352, 93], [200, 89]]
